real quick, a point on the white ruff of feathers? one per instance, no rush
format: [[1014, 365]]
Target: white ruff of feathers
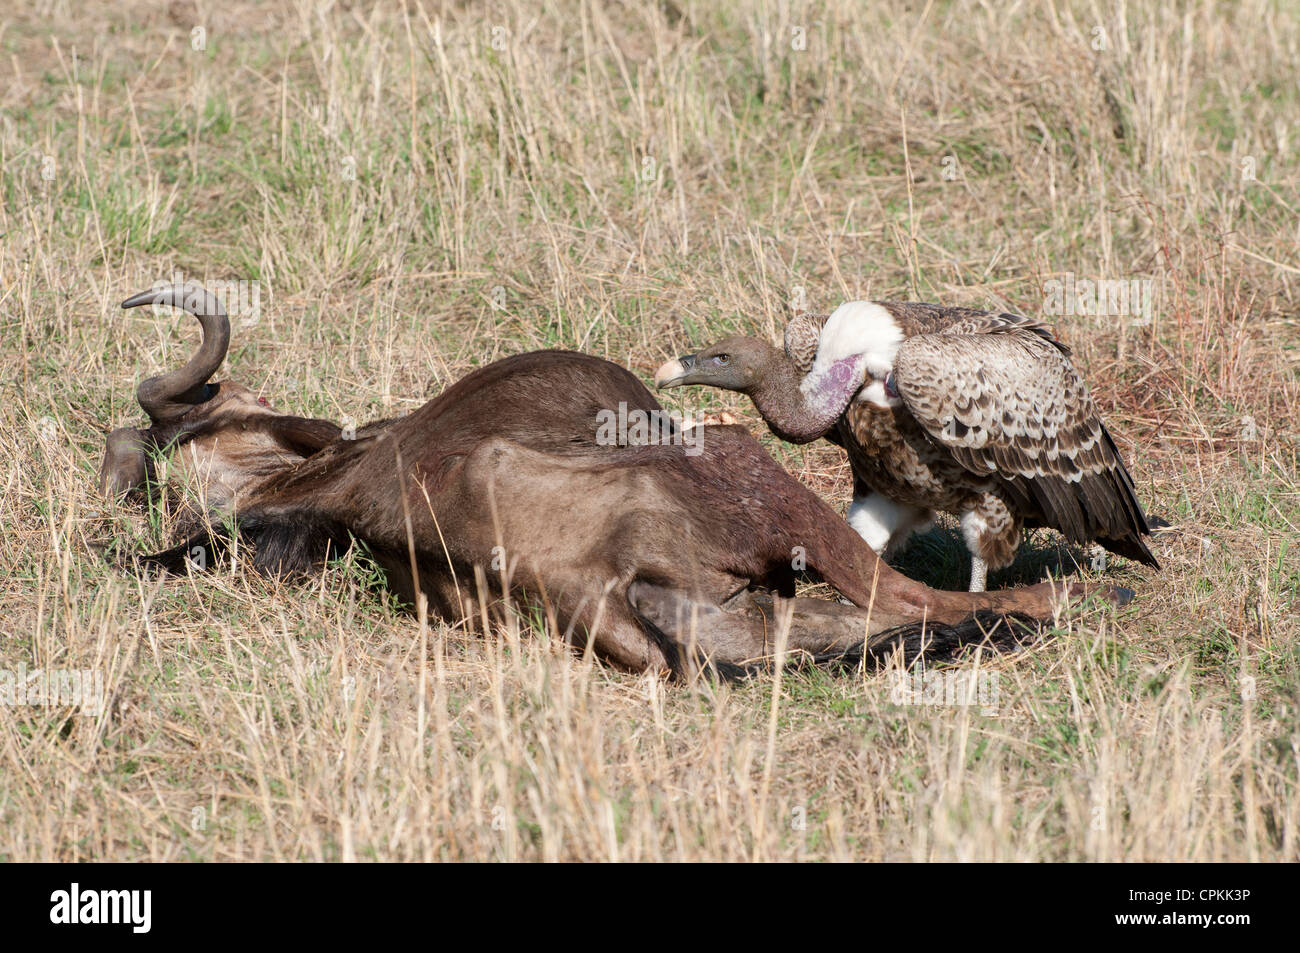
[[862, 338], [860, 328]]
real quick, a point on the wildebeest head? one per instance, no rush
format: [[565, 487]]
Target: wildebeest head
[[218, 436]]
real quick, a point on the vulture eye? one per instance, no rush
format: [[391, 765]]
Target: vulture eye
[[720, 360]]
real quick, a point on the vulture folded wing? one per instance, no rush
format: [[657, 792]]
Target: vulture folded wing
[[970, 321], [1003, 397]]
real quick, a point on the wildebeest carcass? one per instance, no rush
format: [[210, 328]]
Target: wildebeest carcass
[[665, 556]]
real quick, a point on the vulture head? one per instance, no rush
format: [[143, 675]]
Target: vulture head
[[797, 407], [736, 363]]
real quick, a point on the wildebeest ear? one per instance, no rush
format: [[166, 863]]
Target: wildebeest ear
[[126, 464], [305, 434]]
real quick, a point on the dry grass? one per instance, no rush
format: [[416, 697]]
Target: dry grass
[[634, 180]]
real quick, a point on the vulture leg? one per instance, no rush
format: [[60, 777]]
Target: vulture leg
[[992, 533], [877, 519], [918, 520], [885, 524]]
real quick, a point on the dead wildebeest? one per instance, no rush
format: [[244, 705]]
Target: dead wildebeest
[[664, 559]]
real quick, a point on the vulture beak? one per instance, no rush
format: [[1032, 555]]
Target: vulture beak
[[675, 373]]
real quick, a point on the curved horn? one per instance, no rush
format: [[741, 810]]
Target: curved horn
[[170, 395]]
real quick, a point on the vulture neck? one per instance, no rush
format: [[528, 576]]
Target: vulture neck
[[798, 408]]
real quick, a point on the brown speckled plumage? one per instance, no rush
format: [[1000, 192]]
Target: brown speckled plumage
[[993, 421]]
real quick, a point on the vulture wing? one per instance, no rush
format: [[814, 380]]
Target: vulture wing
[[802, 335], [1000, 393]]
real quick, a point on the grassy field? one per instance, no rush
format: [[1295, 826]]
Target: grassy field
[[420, 189]]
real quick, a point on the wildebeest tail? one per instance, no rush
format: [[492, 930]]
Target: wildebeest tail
[[279, 547]]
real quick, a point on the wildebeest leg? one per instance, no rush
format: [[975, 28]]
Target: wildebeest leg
[[812, 620], [585, 610], [750, 626], [745, 628], [126, 462], [619, 638]]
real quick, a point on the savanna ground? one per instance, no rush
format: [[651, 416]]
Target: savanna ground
[[419, 189]]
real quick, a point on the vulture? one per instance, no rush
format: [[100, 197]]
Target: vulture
[[974, 413]]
